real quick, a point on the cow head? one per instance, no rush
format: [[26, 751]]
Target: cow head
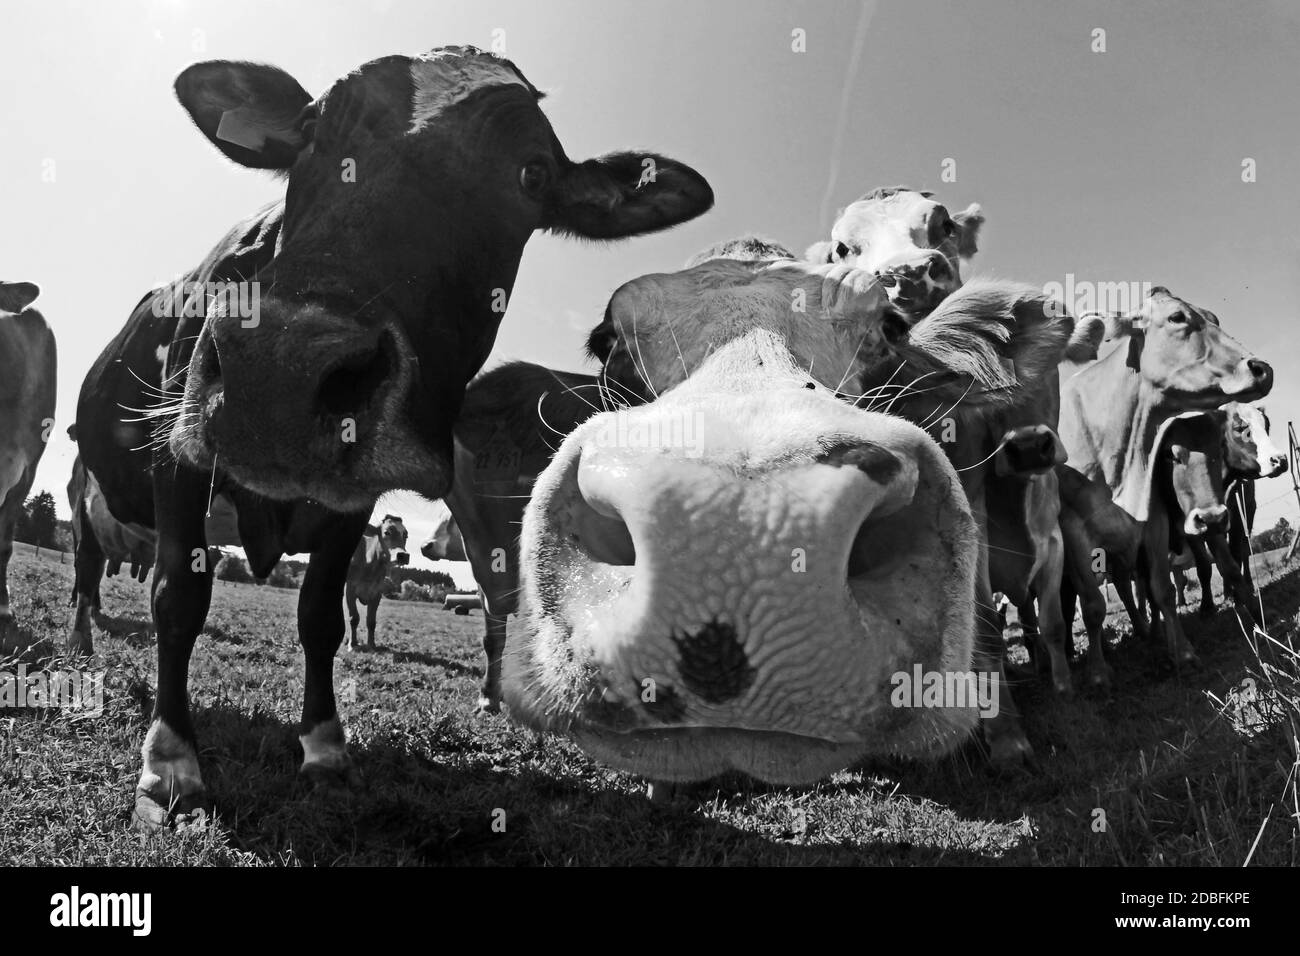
[[392, 540], [1192, 465], [1186, 360], [735, 574], [444, 543], [907, 238], [1250, 449], [413, 184]]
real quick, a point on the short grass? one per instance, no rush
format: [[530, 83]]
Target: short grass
[[1177, 776]]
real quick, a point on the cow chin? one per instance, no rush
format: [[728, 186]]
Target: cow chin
[[375, 466], [759, 624]]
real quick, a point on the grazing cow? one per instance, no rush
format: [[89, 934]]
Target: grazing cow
[[27, 387], [734, 576], [907, 238], [1167, 358], [369, 570], [318, 356]]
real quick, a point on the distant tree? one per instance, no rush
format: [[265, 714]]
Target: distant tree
[[38, 522], [231, 567], [1278, 536]]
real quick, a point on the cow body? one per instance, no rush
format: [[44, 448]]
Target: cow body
[[27, 390], [374, 298], [513, 419], [379, 547]]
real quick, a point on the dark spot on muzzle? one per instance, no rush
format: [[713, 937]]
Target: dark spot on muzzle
[[713, 664], [878, 464]]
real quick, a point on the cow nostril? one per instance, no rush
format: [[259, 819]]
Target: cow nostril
[[1261, 370], [353, 382]]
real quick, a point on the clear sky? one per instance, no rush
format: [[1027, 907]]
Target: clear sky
[[1115, 166]]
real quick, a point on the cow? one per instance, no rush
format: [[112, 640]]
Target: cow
[[368, 572], [909, 239], [733, 575], [1249, 453], [101, 545], [27, 389], [317, 358], [1166, 358]]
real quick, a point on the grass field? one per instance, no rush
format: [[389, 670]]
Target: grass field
[[1179, 778]]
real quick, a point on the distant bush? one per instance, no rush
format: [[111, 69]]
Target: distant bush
[[410, 591], [282, 576], [231, 567]]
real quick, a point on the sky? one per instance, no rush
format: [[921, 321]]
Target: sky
[[1112, 156]]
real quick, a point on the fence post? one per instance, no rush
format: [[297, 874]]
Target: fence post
[[1294, 467]]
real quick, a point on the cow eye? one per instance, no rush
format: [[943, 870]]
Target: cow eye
[[1179, 317], [841, 251], [534, 177]]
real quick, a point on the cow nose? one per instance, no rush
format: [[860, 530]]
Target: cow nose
[[1203, 520], [401, 558], [1279, 463], [1262, 373], [354, 379], [427, 549]]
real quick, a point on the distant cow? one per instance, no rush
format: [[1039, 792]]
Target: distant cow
[[369, 570], [318, 356], [909, 239], [27, 388]]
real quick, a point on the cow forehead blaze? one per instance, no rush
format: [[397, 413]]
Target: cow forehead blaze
[[442, 78]]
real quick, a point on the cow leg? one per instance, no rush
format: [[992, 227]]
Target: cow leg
[[1204, 575], [350, 596], [1234, 583], [494, 645], [171, 787], [8, 523], [1027, 611], [1123, 582], [1053, 637], [372, 612], [88, 568], [1161, 591], [1003, 733], [1079, 580], [325, 757]]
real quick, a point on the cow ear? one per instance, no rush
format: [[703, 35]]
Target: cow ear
[[257, 115], [16, 296], [626, 194], [968, 223], [820, 252]]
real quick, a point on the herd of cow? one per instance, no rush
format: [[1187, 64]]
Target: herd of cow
[[792, 480]]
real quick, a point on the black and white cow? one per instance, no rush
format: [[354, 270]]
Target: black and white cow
[[318, 356]]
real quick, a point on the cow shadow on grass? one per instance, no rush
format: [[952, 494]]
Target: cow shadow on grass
[[454, 668], [1092, 749], [476, 805]]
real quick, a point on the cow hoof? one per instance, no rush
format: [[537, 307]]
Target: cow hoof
[[192, 812], [1099, 679], [80, 644], [486, 705]]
